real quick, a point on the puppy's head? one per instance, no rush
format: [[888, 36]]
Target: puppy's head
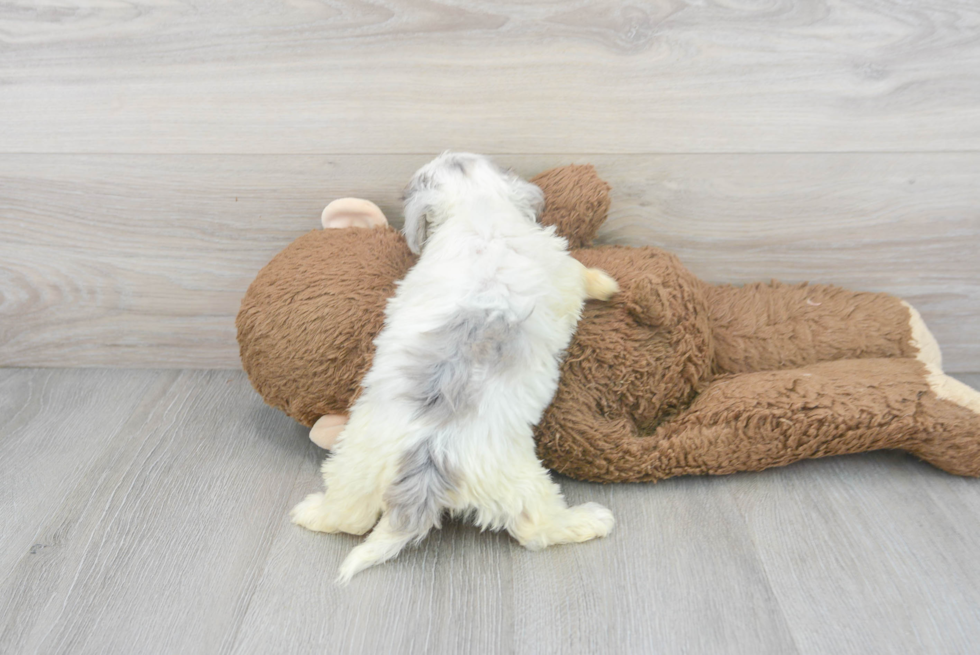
[[433, 188]]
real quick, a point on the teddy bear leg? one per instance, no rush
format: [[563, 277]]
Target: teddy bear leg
[[758, 420], [924, 344], [760, 327], [955, 403], [753, 421], [951, 420], [954, 391]]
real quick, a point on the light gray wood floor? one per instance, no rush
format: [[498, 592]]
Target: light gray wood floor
[[146, 512]]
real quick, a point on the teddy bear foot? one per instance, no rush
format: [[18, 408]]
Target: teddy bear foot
[[954, 391], [922, 340], [950, 427]]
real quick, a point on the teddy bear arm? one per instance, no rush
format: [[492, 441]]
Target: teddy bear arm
[[760, 327], [585, 445]]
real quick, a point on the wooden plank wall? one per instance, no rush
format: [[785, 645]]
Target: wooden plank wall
[[154, 155]]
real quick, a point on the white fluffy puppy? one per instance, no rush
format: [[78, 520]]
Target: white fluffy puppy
[[465, 366]]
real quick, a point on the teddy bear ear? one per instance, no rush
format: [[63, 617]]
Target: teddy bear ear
[[577, 201], [352, 212]]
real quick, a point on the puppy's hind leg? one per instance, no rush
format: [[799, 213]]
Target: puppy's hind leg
[[547, 520], [354, 477], [348, 505], [530, 506], [414, 505]]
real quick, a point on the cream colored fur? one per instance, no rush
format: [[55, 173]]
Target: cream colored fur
[[922, 339], [942, 385], [483, 251]]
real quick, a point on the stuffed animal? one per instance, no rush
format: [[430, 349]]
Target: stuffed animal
[[674, 376]]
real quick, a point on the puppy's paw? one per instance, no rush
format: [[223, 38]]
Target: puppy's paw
[[316, 513], [310, 513], [590, 520], [571, 525], [600, 285]]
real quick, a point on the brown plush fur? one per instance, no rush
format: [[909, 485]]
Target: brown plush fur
[[759, 327], [307, 323], [674, 376]]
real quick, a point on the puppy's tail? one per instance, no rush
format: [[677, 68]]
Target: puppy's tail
[[382, 544], [414, 505]]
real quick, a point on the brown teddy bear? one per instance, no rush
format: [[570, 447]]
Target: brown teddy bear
[[674, 376]]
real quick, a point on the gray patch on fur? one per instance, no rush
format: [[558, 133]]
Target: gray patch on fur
[[420, 492], [452, 362]]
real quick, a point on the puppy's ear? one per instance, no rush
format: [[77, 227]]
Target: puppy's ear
[[416, 229], [418, 206], [527, 197]]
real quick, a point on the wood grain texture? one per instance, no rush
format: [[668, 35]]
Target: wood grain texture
[[411, 76], [453, 594], [155, 534], [867, 546], [678, 561], [142, 260], [173, 536], [55, 426]]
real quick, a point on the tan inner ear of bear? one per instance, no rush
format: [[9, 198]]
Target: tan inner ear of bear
[[352, 212]]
